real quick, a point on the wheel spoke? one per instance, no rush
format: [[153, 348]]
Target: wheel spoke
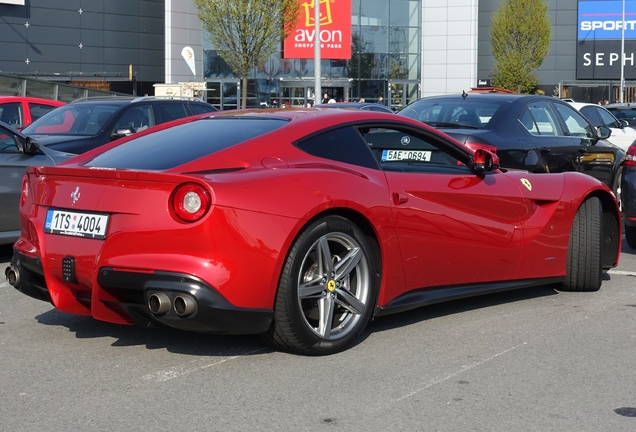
[[325, 263], [349, 301], [325, 308], [311, 289], [348, 263]]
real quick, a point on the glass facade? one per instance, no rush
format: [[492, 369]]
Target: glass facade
[[385, 61]]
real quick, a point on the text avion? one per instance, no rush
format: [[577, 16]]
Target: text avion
[[326, 36], [601, 59]]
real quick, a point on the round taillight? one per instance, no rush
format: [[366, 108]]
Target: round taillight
[[190, 202], [25, 189]]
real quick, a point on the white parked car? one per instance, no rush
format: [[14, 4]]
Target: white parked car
[[622, 134]]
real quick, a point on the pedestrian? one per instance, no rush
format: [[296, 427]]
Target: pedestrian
[[325, 98], [361, 100], [381, 100]]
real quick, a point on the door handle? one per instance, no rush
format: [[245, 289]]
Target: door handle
[[544, 150], [399, 198], [581, 150]]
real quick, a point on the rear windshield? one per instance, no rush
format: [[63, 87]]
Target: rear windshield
[[184, 143], [458, 113]]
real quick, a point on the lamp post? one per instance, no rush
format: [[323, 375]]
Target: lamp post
[[317, 89], [622, 55]]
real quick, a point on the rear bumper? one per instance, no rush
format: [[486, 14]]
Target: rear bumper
[[127, 295]]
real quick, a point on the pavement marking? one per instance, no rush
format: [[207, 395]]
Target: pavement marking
[[460, 371], [179, 371], [621, 272]]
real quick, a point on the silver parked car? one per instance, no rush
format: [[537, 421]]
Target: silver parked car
[[17, 152]]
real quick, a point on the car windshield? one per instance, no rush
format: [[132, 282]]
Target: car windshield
[[73, 119], [454, 113], [169, 148], [623, 114]]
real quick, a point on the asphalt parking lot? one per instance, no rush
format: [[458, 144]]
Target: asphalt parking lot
[[528, 360]]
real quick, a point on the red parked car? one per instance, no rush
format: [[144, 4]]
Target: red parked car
[[19, 112], [300, 225]]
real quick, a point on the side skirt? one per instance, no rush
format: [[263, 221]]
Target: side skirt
[[428, 296]]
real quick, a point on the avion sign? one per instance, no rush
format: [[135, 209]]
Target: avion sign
[[335, 31]]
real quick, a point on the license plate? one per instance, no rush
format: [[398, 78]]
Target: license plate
[[406, 155], [90, 225]]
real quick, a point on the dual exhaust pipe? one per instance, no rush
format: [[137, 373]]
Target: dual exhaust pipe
[[12, 273], [183, 305]]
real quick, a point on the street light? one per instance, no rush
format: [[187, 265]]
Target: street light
[[317, 89], [622, 55]]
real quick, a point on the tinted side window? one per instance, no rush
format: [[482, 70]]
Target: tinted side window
[[539, 119], [38, 110], [608, 119], [592, 115], [171, 111], [11, 114], [7, 141], [139, 118], [342, 145], [575, 123], [202, 108]]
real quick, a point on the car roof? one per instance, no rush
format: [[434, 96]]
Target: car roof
[[579, 105], [130, 99], [489, 96], [43, 101], [624, 105]]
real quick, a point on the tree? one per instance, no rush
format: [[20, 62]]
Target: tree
[[520, 36], [247, 32]]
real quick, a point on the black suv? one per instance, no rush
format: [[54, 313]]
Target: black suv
[[87, 123]]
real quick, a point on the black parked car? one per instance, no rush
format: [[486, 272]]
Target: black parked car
[[628, 195], [624, 111], [87, 123], [529, 132]]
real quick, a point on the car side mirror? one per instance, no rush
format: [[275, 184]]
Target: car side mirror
[[122, 132], [623, 124], [603, 132], [28, 146], [484, 161]]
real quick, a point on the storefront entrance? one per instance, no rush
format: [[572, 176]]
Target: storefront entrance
[[402, 93]]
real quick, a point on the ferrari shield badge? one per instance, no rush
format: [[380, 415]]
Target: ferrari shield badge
[[526, 183]]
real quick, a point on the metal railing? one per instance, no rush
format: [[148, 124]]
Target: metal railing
[[11, 85]]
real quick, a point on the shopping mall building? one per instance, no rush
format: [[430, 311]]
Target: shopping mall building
[[400, 49]]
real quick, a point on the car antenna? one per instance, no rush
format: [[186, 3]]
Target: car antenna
[[464, 94]]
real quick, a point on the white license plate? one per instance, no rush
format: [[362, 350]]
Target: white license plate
[[90, 225], [406, 155]]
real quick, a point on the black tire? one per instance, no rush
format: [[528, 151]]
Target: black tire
[[327, 290], [630, 236], [583, 267]]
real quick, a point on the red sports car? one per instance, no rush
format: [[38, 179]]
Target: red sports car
[[300, 225]]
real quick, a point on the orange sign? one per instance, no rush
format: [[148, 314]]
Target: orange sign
[[335, 31]]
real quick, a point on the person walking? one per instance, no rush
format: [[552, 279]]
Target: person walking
[[325, 98]]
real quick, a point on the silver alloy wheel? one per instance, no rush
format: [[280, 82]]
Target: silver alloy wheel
[[334, 285]]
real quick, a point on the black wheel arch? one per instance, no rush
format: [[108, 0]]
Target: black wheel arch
[[611, 229]]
